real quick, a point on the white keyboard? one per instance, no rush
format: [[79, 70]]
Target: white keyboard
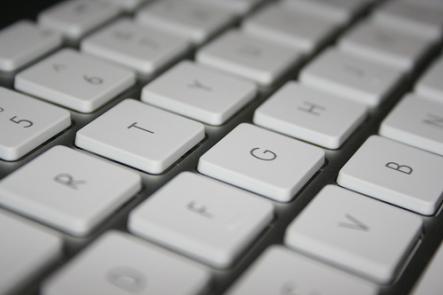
[[209, 147]]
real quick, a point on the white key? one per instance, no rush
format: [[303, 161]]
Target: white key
[[297, 274], [352, 77], [356, 233], [396, 174], [430, 84], [250, 57], [199, 92], [24, 42], [194, 21], [263, 162], [238, 7], [340, 11], [431, 283], [413, 17], [26, 123], [75, 18], [79, 82], [140, 136], [393, 46], [26, 250], [118, 264], [145, 50], [127, 5], [304, 31], [206, 219], [68, 189], [311, 115], [418, 122]]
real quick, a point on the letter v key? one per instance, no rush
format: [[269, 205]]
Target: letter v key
[[353, 223]]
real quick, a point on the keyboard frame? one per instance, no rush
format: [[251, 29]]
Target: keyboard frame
[[284, 212]]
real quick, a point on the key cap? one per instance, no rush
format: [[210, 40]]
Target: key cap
[[418, 122], [340, 11], [249, 57], [356, 233], [430, 282], [396, 174], [118, 264], [206, 219], [195, 21], [127, 5], [430, 85], [263, 162], [26, 123], [199, 92], [76, 18], [27, 249], [239, 7], [413, 17], [142, 49], [140, 136], [76, 81], [68, 190], [305, 31], [311, 115], [22, 43], [352, 77], [297, 274], [375, 41]]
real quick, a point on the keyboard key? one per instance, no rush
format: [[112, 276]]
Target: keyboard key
[[263, 162], [418, 122], [311, 115], [75, 18], [396, 174], [352, 77], [250, 57], [195, 21], [206, 219], [140, 136], [354, 232], [127, 5], [305, 31], [24, 42], [297, 274], [142, 49], [26, 123], [413, 17], [199, 92], [430, 283], [393, 46], [68, 190], [430, 85], [238, 7], [118, 264], [27, 249], [76, 81], [341, 11]]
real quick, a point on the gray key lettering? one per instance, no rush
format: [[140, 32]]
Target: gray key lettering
[[59, 67], [68, 180], [264, 155], [93, 80], [134, 125], [400, 168], [311, 108], [198, 85], [127, 279], [353, 223], [434, 120], [22, 122], [199, 209]]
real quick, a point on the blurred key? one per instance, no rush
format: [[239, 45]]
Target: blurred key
[[145, 50], [203, 218], [239, 7], [249, 57], [26, 250], [186, 18], [24, 42], [127, 5], [350, 76], [118, 264], [75, 18], [430, 282], [74, 80], [430, 85]]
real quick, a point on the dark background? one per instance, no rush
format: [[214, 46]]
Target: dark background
[[13, 10]]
